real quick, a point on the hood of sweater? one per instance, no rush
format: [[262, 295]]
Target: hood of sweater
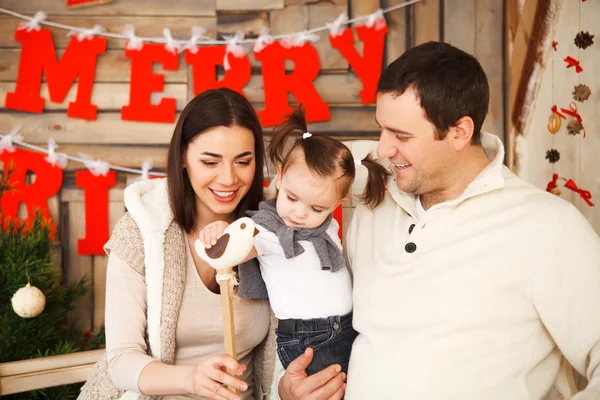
[[148, 204]]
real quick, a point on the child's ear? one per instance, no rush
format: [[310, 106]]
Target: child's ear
[[342, 201], [278, 177]]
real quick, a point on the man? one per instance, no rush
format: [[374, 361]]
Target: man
[[469, 283]]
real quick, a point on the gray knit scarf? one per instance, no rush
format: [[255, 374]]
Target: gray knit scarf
[[329, 254]]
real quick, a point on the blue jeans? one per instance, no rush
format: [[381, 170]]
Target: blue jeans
[[331, 339]]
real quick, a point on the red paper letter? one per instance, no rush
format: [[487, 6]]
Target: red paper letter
[[48, 180], [338, 216], [38, 55], [278, 83], [367, 67], [204, 68], [144, 82], [96, 210]]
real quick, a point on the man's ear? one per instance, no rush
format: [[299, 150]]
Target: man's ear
[[462, 133]]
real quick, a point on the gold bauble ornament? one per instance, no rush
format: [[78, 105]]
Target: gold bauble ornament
[[28, 302]]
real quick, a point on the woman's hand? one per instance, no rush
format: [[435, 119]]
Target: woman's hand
[[211, 375], [211, 232], [325, 384]]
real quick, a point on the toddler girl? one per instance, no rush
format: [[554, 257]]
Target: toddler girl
[[300, 263]]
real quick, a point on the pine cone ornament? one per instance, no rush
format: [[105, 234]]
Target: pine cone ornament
[[552, 155], [574, 127], [581, 92], [584, 40]]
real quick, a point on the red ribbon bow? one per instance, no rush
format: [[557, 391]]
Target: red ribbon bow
[[572, 111], [554, 44], [571, 62], [554, 109], [552, 184], [585, 195]]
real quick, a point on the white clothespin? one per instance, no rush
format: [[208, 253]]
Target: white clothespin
[[147, 165], [83, 34], [134, 42], [263, 40], [172, 45], [234, 47], [6, 141], [299, 39], [337, 27], [96, 167], [376, 19], [197, 35], [55, 158], [34, 23]]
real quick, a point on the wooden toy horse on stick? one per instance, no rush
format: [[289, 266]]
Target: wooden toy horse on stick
[[231, 249]]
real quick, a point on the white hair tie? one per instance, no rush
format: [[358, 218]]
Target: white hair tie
[[306, 135], [357, 162]]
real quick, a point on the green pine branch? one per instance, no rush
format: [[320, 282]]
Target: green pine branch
[[26, 255]]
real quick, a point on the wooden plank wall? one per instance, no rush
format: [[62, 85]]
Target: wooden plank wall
[[475, 26]]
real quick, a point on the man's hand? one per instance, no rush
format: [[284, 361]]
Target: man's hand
[[327, 384]]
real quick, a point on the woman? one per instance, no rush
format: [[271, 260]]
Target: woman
[[164, 334]]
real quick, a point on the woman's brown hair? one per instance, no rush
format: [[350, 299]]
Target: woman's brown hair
[[209, 109], [327, 157]]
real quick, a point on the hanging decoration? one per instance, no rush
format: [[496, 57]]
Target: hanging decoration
[[552, 186], [581, 92], [367, 67], [95, 182], [38, 56], [47, 168], [35, 195], [554, 121], [144, 82], [204, 63], [574, 127], [585, 195], [28, 301], [95, 189], [571, 62], [85, 3], [552, 156], [583, 40], [278, 83], [78, 64]]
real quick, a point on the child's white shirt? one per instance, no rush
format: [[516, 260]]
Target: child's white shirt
[[298, 287]]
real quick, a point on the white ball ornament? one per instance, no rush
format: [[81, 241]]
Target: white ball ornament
[[28, 302]]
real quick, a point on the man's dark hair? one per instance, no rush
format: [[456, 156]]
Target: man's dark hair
[[449, 83]]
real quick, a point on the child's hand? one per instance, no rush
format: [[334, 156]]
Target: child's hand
[[212, 232]]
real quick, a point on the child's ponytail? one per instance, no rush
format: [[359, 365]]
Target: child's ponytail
[[294, 123], [374, 191]]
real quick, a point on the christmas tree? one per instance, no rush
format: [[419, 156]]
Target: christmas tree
[[26, 261]]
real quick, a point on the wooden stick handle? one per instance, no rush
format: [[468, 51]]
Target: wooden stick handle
[[228, 322]]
